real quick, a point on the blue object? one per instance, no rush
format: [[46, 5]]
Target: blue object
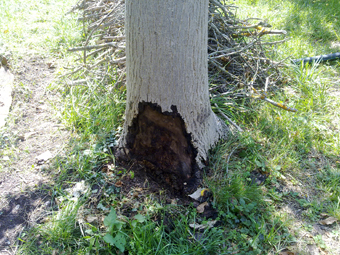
[[321, 58]]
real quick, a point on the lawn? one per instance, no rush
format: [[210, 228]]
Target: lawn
[[275, 186]]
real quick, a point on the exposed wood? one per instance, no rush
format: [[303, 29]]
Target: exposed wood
[[159, 141], [167, 71]]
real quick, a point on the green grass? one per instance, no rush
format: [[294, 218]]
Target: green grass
[[38, 27], [94, 108], [144, 236], [297, 154], [298, 151], [313, 26], [59, 233]]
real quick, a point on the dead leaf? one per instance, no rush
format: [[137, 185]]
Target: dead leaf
[[200, 208], [197, 194], [29, 134], [287, 253], [91, 218], [209, 224], [6, 158], [328, 221], [174, 201], [79, 189], [119, 184], [44, 157], [50, 65]]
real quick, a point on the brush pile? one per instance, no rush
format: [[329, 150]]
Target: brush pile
[[238, 66]]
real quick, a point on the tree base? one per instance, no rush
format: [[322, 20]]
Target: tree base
[[159, 141]]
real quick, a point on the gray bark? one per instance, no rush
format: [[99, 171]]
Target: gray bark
[[166, 51]]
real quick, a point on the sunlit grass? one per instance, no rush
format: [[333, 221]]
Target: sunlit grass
[[313, 26], [38, 27], [296, 151]]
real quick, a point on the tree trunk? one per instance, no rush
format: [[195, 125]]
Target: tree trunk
[[169, 124]]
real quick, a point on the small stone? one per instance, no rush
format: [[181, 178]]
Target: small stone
[[44, 157]]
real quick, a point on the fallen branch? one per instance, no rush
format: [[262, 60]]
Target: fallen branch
[[228, 119], [100, 46], [263, 96]]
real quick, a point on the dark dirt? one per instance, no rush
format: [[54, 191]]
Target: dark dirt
[[143, 184], [32, 129], [137, 191]]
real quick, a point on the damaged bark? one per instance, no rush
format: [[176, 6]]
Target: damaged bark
[[169, 124], [160, 141]]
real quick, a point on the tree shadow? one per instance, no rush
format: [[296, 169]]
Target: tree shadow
[[308, 191], [24, 209], [317, 21]]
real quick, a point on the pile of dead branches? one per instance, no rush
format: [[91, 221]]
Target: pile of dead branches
[[238, 66], [237, 47], [104, 47]]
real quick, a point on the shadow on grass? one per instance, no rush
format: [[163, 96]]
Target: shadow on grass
[[24, 209], [316, 21]]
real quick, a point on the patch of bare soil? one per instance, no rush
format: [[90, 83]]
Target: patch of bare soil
[[32, 130]]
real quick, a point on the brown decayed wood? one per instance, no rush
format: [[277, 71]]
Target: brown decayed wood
[[160, 142]]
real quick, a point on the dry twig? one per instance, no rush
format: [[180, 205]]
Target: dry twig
[[236, 48]]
